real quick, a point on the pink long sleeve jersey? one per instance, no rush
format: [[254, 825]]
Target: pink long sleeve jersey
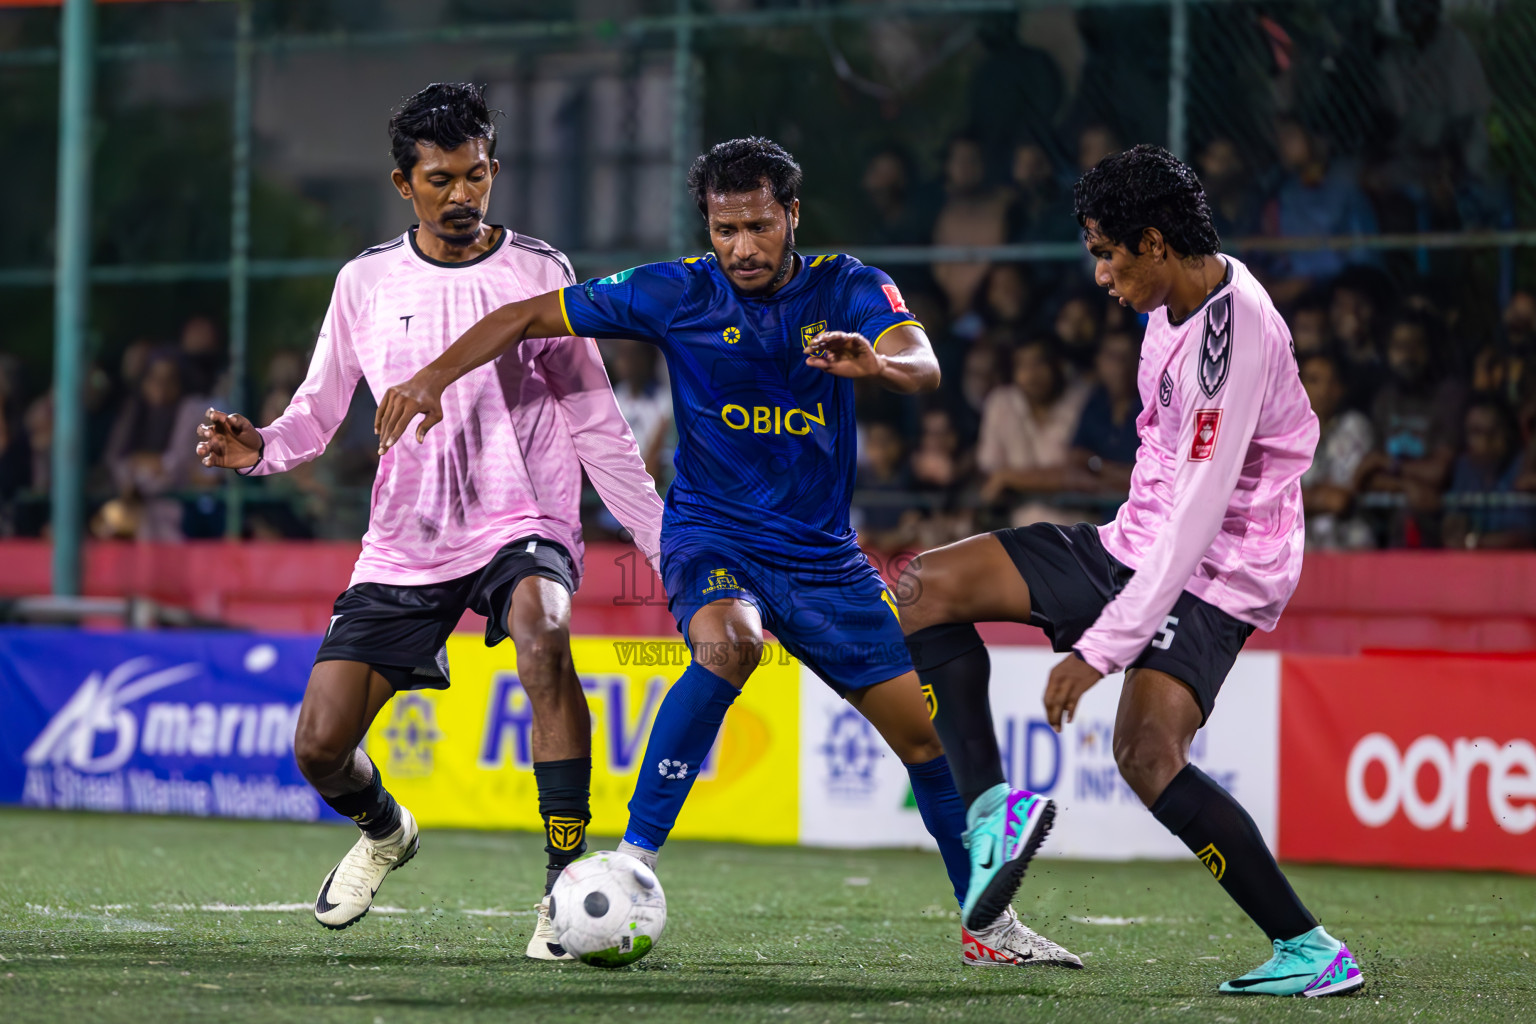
[[506, 461], [1215, 502]]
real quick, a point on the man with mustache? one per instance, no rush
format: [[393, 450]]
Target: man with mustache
[[762, 346], [485, 516]]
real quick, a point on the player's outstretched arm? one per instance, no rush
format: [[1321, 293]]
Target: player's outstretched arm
[[538, 317], [229, 441], [904, 363]]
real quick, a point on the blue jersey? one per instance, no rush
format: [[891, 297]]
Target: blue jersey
[[766, 444]]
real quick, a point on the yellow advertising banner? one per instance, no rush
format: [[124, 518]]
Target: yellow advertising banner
[[462, 757]]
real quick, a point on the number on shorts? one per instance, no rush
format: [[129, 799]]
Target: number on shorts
[[1164, 638]]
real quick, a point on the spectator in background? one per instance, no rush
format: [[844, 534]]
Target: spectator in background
[[1316, 197], [1489, 463], [1094, 143], [1006, 304], [1235, 202], [1079, 321], [983, 373], [1519, 329], [883, 517], [1328, 488], [1356, 311], [1027, 428], [148, 453], [942, 467], [1042, 200], [1417, 418], [975, 212], [645, 401], [1433, 84], [897, 212], [1104, 447], [202, 357], [285, 372], [1311, 327]]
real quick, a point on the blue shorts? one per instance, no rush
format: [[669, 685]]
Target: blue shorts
[[832, 612]]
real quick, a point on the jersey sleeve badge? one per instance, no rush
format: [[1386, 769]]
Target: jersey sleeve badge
[[1207, 423], [893, 296]]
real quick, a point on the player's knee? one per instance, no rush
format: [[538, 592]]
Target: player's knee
[[543, 655], [924, 595], [320, 751], [1147, 759]]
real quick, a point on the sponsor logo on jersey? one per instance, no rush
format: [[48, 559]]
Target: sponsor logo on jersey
[[1165, 390], [893, 296], [1207, 423], [731, 335], [720, 579], [772, 419], [1216, 346], [670, 769], [1212, 858], [566, 833], [809, 332], [890, 602]]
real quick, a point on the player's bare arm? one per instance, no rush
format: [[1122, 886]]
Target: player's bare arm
[[904, 363], [538, 317], [229, 441]]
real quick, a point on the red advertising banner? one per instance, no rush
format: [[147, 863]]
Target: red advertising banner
[[1413, 761]]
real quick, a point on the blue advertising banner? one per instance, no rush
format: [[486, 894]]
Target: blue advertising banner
[[154, 723]]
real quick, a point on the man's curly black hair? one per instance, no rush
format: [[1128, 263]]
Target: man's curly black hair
[[445, 115], [745, 165], [1147, 187]]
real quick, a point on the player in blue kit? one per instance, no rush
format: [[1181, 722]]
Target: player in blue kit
[[762, 346]]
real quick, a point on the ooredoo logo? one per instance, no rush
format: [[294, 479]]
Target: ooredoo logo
[[1432, 782]]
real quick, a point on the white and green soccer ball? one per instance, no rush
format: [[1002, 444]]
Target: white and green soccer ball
[[608, 909]]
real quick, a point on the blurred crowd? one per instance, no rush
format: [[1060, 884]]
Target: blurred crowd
[[1420, 363]]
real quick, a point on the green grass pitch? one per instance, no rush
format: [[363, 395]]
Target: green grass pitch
[[106, 918]]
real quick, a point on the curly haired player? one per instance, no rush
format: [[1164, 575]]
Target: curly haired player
[[1207, 548]]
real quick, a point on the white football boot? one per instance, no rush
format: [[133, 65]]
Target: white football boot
[[349, 889], [1006, 942], [544, 944]]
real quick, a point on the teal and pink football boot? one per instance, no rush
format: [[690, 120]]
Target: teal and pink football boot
[[1314, 964], [1004, 829]]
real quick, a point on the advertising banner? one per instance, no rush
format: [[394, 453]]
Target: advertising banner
[[854, 792], [463, 757], [1409, 761], [154, 723]]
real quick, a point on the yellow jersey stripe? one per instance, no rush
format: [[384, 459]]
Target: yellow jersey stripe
[[891, 328], [564, 315]]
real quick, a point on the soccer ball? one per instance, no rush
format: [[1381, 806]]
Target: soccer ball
[[608, 909]]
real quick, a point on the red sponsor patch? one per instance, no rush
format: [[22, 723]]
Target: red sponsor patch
[[893, 296], [1207, 423]]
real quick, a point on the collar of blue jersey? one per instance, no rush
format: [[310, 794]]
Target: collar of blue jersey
[[795, 283]]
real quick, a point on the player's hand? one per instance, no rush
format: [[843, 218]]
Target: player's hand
[[1070, 679], [844, 354], [403, 403], [228, 441]]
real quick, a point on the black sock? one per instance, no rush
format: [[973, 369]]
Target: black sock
[[1218, 831], [954, 668], [374, 810], [565, 802]]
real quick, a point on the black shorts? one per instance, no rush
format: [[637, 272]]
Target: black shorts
[[1071, 578], [401, 630]]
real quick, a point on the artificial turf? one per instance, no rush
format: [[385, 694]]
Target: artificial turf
[[116, 918]]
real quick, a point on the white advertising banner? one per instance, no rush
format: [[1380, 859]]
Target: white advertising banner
[[854, 792]]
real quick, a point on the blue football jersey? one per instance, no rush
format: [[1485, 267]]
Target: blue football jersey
[[765, 442]]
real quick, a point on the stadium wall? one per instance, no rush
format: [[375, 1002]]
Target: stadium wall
[[1345, 604], [1422, 761]]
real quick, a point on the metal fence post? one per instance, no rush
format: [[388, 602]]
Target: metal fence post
[[682, 107], [239, 248], [71, 296], [1178, 76]]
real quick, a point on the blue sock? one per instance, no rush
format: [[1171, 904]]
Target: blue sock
[[944, 815], [686, 725]]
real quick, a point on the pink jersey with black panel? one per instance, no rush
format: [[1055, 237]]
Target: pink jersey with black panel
[[506, 461], [1215, 502]]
